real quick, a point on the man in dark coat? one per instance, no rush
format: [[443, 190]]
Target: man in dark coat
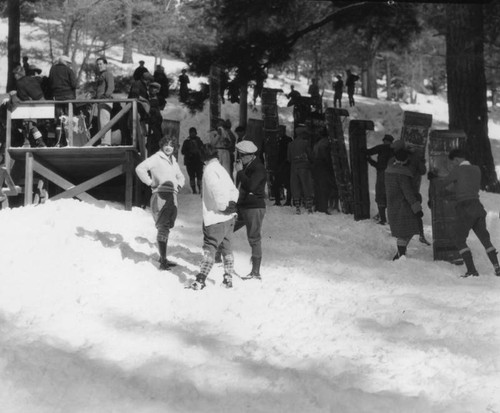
[[62, 80], [251, 178], [183, 86], [301, 181], [403, 206], [192, 149], [350, 84], [155, 118], [282, 176], [325, 187], [338, 88], [140, 70], [464, 181], [161, 78], [384, 154], [293, 96]]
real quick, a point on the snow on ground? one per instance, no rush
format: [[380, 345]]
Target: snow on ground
[[89, 324]]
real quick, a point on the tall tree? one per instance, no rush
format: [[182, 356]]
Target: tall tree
[[467, 102], [13, 41]]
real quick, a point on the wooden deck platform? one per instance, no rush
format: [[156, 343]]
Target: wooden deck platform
[[77, 171]]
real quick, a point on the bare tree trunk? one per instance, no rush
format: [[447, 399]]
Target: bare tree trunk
[[467, 101], [388, 78], [13, 41], [371, 78], [127, 42]]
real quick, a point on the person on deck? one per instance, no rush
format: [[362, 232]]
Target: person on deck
[[104, 90]]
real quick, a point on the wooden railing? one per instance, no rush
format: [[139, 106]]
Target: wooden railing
[[45, 109]]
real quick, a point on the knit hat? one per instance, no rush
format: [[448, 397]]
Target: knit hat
[[398, 145], [246, 147], [388, 138], [155, 85], [167, 186]]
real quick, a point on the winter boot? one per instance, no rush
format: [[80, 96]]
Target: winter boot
[[382, 216], [309, 205], [162, 249], [228, 281], [400, 253], [255, 273], [492, 255], [469, 263], [199, 282], [296, 204]]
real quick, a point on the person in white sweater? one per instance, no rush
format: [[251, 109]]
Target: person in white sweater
[[162, 173], [219, 197]]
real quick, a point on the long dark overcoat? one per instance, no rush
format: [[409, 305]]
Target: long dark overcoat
[[402, 202]]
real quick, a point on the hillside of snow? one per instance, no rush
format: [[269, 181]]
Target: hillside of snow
[[89, 324]]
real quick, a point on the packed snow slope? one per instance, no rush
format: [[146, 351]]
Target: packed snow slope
[[89, 325]]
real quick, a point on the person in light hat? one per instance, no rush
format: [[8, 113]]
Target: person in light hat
[[384, 152], [251, 178]]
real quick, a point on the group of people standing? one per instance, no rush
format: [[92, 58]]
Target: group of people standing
[[229, 202], [399, 173]]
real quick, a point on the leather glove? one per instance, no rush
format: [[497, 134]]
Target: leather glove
[[419, 214], [230, 209]]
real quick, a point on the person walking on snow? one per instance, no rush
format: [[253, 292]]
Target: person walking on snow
[[464, 181], [219, 196], [162, 173], [403, 206]]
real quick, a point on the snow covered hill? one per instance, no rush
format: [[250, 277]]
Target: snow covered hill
[[89, 324]]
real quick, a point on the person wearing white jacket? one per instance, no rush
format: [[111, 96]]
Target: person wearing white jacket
[[219, 197], [162, 173]]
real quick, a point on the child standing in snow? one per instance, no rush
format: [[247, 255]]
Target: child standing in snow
[[162, 173]]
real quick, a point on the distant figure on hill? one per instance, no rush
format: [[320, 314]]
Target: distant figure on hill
[[26, 65], [293, 96], [338, 88], [161, 78], [140, 70], [350, 84], [314, 93], [183, 86]]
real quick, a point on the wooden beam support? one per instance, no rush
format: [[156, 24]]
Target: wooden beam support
[[129, 181], [108, 125], [60, 181], [28, 179]]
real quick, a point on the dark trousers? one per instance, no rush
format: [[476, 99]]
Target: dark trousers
[[252, 218], [471, 215]]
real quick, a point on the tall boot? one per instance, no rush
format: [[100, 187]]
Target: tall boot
[[492, 255], [255, 273], [162, 249], [296, 203], [309, 205], [381, 214], [192, 182], [469, 263], [400, 253]]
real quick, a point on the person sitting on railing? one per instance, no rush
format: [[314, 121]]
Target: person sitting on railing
[[104, 90], [28, 88]]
